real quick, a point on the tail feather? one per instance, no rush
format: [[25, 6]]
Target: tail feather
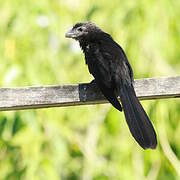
[[137, 119]]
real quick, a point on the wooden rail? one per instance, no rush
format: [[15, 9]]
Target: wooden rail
[[82, 94]]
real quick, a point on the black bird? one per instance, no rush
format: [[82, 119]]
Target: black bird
[[109, 65]]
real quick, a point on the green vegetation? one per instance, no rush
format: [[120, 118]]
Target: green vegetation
[[86, 142]]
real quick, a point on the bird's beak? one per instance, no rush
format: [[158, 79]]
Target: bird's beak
[[70, 34]]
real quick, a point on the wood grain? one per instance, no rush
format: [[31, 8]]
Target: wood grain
[[82, 94]]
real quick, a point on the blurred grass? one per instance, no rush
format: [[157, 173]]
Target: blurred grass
[[87, 142]]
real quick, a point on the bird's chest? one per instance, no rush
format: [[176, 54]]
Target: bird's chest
[[99, 66], [90, 58]]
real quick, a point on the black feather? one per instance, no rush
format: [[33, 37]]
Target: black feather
[[137, 119], [108, 63]]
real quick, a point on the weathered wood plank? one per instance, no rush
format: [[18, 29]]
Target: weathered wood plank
[[82, 94]]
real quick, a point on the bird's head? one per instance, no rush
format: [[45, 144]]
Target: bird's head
[[82, 31]]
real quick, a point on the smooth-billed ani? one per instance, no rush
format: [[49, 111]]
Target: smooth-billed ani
[[109, 65]]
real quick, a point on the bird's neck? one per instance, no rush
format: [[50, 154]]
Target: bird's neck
[[83, 45], [95, 38]]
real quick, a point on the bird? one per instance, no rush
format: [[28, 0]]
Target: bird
[[113, 74]]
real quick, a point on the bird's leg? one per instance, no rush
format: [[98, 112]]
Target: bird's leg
[[94, 85]]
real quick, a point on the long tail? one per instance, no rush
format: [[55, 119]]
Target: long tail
[[137, 119]]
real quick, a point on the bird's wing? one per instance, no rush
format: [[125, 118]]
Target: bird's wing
[[100, 67], [108, 63], [125, 61], [114, 58]]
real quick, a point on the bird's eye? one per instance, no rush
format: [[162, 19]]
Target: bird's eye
[[80, 29]]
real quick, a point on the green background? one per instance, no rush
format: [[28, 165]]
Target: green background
[[86, 142]]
